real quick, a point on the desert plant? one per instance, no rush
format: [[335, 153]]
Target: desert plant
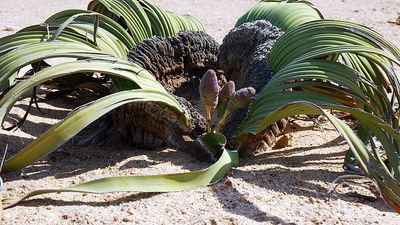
[[105, 51], [341, 66], [317, 65], [100, 44]]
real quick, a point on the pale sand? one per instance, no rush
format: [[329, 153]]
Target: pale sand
[[285, 186]]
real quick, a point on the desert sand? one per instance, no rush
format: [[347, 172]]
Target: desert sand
[[283, 186]]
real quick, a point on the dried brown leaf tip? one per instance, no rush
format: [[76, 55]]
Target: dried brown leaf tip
[[224, 95], [209, 90]]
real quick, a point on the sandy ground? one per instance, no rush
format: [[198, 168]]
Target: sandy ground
[[284, 186]]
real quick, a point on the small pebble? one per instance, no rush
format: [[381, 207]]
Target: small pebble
[[213, 222], [312, 200], [126, 220], [228, 183]]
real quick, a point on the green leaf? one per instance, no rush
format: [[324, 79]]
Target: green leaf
[[309, 86], [282, 14], [79, 119], [15, 60], [155, 183], [166, 24], [35, 34], [213, 142], [115, 67], [130, 11], [85, 17]]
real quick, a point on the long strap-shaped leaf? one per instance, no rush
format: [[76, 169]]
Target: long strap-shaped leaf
[[79, 119], [114, 67], [106, 41], [282, 14], [13, 61], [278, 100], [35, 34], [332, 27], [390, 187], [105, 23], [354, 45], [130, 11], [153, 183], [109, 43], [166, 24]]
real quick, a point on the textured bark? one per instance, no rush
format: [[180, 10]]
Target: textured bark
[[244, 53], [178, 63], [151, 125], [244, 59]]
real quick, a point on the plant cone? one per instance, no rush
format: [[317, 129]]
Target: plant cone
[[223, 98]]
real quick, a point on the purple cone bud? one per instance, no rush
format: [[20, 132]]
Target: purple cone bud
[[240, 98], [209, 90], [223, 98]]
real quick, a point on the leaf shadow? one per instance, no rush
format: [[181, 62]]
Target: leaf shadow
[[116, 202]]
